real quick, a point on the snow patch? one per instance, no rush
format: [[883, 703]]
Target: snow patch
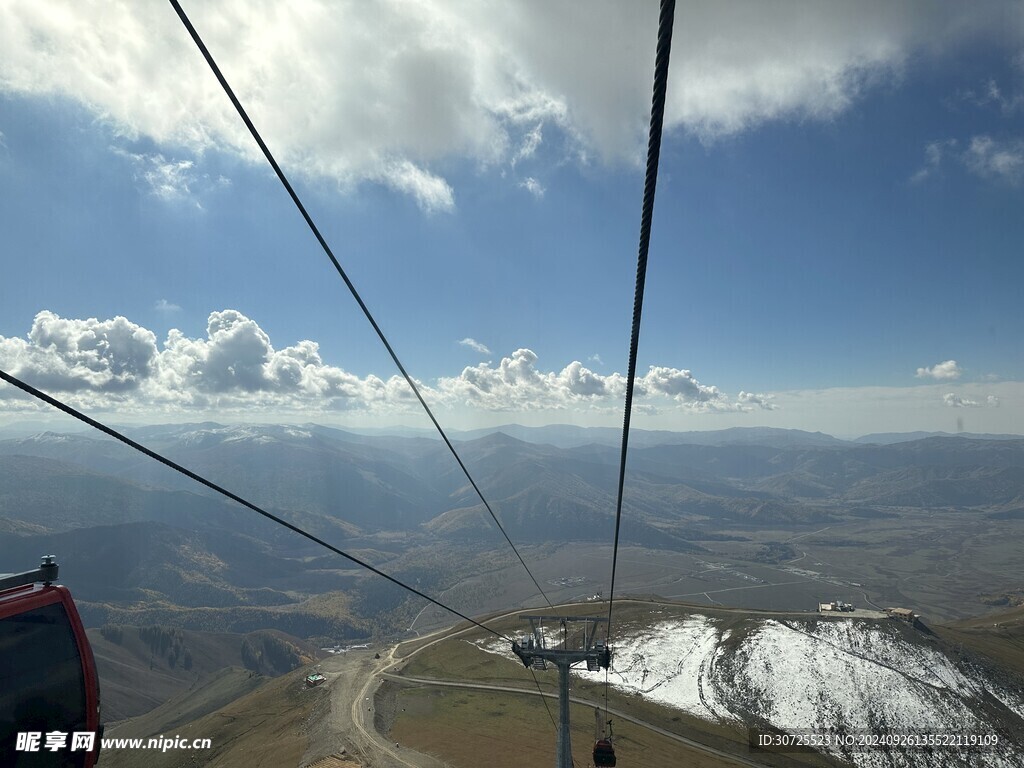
[[815, 676], [673, 663]]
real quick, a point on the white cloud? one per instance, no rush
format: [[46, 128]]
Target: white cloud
[[679, 385], [761, 400], [168, 180], [531, 141], [942, 371], [854, 411], [75, 355], [595, 358], [116, 364], [432, 193], [984, 157], [953, 400], [163, 305], [956, 401], [234, 370], [475, 345], [532, 186], [1003, 160], [517, 384], [460, 80]]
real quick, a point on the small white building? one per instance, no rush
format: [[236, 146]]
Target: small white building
[[835, 605]]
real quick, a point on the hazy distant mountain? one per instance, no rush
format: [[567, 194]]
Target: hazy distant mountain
[[135, 534], [149, 560], [28, 428], [358, 482], [48, 495], [571, 436], [887, 438], [355, 484]]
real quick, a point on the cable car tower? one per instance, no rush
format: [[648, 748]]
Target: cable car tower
[[534, 652]]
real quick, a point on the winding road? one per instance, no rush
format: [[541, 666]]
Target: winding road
[[354, 679]]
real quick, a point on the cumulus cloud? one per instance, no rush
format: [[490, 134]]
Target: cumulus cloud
[[482, 81], [760, 400], [235, 366], [953, 400], [679, 385], [516, 383], [475, 345], [942, 371], [956, 401], [116, 364], [72, 355], [596, 358]]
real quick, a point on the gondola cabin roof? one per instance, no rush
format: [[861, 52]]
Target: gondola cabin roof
[[48, 680]]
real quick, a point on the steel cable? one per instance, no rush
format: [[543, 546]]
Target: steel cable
[[49, 400], [661, 63], [344, 276]]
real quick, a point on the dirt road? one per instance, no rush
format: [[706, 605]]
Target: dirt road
[[353, 678]]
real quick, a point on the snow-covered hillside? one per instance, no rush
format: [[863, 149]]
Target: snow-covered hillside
[[813, 675]]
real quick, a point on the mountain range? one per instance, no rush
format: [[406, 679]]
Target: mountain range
[[147, 544]]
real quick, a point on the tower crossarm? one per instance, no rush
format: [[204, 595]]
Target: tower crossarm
[[534, 647]]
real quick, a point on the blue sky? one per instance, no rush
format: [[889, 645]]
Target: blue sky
[[836, 242]]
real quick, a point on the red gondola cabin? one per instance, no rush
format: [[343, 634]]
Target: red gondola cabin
[[49, 691], [604, 753]]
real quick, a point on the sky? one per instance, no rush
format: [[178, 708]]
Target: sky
[[836, 242]]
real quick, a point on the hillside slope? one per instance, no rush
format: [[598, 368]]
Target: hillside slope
[[817, 674]]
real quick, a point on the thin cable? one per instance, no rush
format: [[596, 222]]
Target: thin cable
[[337, 265], [605, 696], [544, 698], [661, 61], [28, 388]]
